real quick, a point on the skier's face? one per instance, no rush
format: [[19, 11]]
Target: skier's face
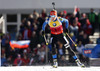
[[53, 15], [53, 18]]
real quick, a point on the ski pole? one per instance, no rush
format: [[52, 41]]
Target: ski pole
[[45, 40], [72, 40]]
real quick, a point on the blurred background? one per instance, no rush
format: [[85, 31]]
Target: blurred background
[[19, 16]]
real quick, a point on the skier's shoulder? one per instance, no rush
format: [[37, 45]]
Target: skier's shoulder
[[60, 18], [46, 19]]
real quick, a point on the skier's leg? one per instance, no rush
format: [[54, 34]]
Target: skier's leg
[[66, 45], [75, 57], [54, 54]]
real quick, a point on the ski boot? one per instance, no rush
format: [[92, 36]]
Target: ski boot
[[55, 63], [79, 63]]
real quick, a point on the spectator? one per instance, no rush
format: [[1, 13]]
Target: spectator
[[85, 39], [79, 49], [8, 36], [3, 40], [40, 20], [33, 59], [33, 41], [44, 13], [3, 50], [36, 29], [35, 14], [78, 13], [11, 57], [25, 60], [81, 56], [21, 28], [24, 52], [80, 36], [71, 20], [82, 20], [87, 27], [23, 21], [78, 24], [3, 60], [40, 38], [23, 24], [74, 28], [26, 33], [35, 50], [18, 61], [19, 37], [41, 53], [65, 14], [92, 19], [99, 20], [7, 48], [37, 25], [9, 61], [30, 18], [62, 61], [28, 24], [60, 14]]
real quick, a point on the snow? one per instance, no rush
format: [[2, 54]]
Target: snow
[[48, 68]]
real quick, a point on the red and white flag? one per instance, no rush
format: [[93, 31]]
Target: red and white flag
[[20, 44]]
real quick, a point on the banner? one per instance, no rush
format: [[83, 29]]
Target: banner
[[92, 52], [19, 44]]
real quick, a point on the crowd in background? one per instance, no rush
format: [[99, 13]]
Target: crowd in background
[[81, 26]]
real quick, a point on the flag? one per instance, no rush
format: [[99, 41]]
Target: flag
[[92, 52], [75, 10], [19, 44]]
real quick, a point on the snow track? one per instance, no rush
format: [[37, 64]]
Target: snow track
[[48, 68]]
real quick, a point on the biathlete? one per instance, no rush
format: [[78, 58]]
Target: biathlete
[[56, 28]]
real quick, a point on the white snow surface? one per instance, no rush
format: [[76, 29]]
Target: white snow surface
[[48, 68]]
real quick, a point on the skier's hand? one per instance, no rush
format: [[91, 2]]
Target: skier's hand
[[43, 33], [66, 31], [46, 43]]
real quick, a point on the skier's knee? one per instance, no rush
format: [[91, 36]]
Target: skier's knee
[[67, 45]]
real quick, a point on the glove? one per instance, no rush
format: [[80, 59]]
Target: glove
[[43, 33], [66, 31], [46, 43], [75, 45]]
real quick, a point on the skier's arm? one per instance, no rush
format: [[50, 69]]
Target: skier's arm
[[44, 25], [43, 29], [66, 23]]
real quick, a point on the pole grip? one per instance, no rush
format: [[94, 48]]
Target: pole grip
[[53, 3]]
